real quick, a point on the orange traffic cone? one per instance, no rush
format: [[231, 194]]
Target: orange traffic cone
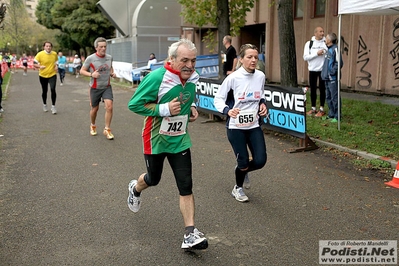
[[395, 180]]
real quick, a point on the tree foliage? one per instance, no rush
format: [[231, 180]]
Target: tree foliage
[[80, 22], [43, 14], [228, 16], [208, 13], [19, 35], [15, 26]]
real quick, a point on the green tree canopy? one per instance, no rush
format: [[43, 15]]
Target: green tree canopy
[[229, 16], [19, 33], [80, 22], [208, 13]]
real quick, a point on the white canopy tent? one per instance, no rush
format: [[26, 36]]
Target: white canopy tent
[[368, 7], [362, 7]]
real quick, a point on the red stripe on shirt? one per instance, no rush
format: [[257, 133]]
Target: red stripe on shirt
[[147, 135], [94, 86]]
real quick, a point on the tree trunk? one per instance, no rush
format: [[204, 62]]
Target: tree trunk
[[288, 69], [223, 18]]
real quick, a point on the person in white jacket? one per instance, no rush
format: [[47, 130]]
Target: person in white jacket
[[152, 60], [313, 53], [241, 98]]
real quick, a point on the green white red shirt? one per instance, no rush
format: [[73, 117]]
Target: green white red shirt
[[163, 133]]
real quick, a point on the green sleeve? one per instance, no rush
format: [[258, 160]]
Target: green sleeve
[[144, 100]]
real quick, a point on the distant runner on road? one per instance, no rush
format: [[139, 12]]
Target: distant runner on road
[[46, 62], [98, 67]]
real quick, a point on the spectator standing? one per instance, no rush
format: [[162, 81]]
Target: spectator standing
[[313, 53], [241, 98], [230, 63], [46, 62], [330, 76], [98, 67], [62, 62], [152, 60], [166, 98]]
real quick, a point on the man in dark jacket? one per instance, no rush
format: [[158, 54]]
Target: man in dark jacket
[[329, 74]]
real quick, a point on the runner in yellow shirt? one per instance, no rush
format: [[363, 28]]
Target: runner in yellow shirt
[[46, 62]]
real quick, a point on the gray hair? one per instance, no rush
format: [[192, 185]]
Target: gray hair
[[227, 38], [172, 52], [99, 39], [332, 37]]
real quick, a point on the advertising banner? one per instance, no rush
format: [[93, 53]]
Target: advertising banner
[[206, 90], [286, 110], [286, 106]]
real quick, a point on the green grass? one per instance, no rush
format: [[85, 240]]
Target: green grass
[[372, 164], [365, 126], [6, 79]]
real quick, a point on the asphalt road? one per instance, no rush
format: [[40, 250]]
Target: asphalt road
[[63, 192]]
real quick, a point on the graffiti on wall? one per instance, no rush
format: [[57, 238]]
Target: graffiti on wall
[[344, 46], [364, 78], [395, 51]]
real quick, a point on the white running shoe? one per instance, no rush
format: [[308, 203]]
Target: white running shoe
[[45, 108], [1, 110], [195, 240], [53, 110], [239, 194], [133, 202]]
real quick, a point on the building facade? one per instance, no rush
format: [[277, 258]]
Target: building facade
[[31, 7], [369, 44], [143, 27]]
